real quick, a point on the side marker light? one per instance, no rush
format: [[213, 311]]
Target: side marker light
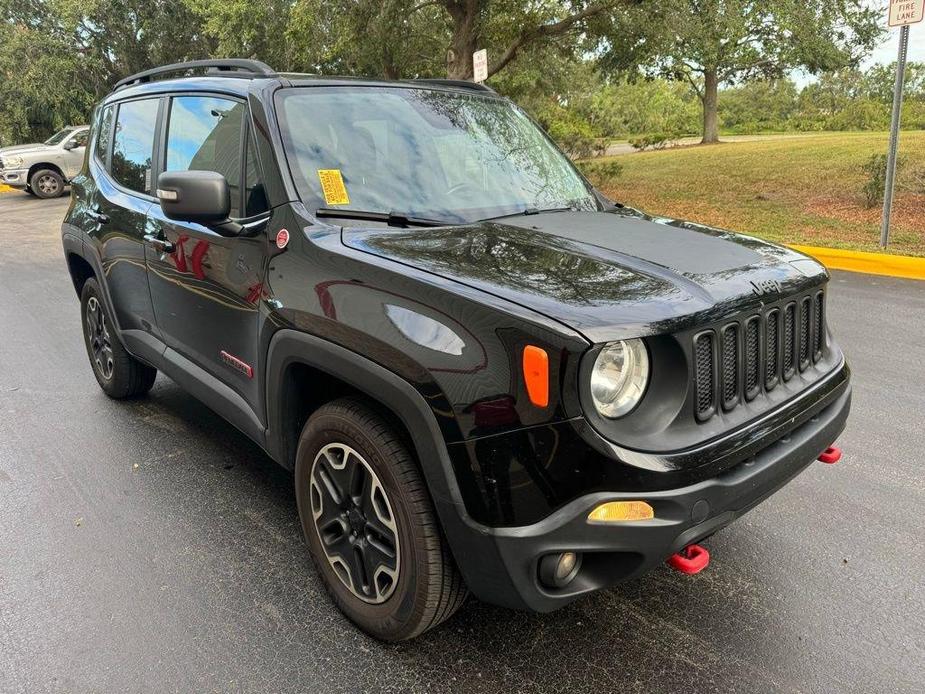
[[536, 374]]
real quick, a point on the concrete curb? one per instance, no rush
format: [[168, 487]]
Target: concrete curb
[[5, 188], [907, 267]]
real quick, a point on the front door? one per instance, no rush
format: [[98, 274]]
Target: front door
[[205, 287]]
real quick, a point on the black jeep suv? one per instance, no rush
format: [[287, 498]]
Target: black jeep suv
[[486, 376]]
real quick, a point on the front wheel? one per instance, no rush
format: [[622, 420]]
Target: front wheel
[[46, 183], [370, 526]]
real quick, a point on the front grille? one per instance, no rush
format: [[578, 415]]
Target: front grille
[[739, 358], [819, 332], [706, 361], [730, 365], [772, 349], [790, 313], [805, 331], [752, 357]]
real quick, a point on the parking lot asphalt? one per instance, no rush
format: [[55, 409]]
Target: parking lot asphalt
[[148, 546]]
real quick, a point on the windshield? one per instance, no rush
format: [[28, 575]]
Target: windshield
[[423, 153], [58, 137]]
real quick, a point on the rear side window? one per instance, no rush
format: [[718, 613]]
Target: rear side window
[[133, 144], [103, 132], [204, 134]]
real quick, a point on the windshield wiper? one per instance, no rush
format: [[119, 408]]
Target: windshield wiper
[[393, 219], [532, 210]]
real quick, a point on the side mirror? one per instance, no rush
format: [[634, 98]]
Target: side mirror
[[70, 144], [202, 197]]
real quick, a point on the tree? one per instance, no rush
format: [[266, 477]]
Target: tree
[[386, 38], [59, 58], [410, 38], [511, 26], [712, 42], [758, 106]]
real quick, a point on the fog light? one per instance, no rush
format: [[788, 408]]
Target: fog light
[[620, 511], [558, 570]]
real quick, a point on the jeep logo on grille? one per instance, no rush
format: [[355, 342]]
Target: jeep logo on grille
[[766, 287]]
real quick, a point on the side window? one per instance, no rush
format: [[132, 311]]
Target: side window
[[204, 134], [80, 139], [255, 197], [133, 144], [104, 130]]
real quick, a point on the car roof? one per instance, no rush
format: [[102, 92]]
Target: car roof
[[241, 86]]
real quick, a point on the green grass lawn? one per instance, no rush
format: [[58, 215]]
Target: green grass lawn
[[805, 190]]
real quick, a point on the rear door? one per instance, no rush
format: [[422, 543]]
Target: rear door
[[205, 287], [114, 201]]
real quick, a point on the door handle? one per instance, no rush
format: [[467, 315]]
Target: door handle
[[161, 245], [99, 217]]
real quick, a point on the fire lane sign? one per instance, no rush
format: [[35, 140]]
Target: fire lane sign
[[905, 12]]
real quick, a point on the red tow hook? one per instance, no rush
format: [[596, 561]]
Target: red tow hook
[[830, 455], [691, 560]]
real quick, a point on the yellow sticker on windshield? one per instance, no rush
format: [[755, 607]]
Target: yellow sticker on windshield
[[332, 185]]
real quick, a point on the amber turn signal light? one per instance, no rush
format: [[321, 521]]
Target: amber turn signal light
[[536, 374], [620, 511]]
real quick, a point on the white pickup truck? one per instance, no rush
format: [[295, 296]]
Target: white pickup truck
[[44, 168]]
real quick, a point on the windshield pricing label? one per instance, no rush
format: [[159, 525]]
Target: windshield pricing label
[[332, 185]]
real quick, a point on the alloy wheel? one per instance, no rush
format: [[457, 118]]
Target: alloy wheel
[[355, 523], [100, 341], [48, 184]]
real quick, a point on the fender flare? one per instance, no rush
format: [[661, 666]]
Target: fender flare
[[471, 543], [72, 238]]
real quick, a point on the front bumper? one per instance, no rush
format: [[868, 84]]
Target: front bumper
[[507, 572], [15, 178]]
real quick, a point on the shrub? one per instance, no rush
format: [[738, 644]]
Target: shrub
[[861, 114], [875, 170], [601, 172], [572, 133], [653, 140]]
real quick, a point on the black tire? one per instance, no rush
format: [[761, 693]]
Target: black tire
[[119, 374], [28, 191], [46, 183], [426, 587]]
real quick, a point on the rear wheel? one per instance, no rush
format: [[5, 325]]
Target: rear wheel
[[119, 374], [370, 524], [46, 183]]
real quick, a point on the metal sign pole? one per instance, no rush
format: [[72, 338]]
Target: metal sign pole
[[894, 135]]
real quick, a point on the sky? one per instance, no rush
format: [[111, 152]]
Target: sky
[[889, 50], [886, 52]]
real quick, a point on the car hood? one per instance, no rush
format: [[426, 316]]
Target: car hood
[[607, 275], [25, 149]]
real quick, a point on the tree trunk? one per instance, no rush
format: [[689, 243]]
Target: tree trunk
[[464, 41], [710, 99]]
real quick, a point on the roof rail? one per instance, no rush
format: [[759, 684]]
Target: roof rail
[[459, 84], [224, 67]]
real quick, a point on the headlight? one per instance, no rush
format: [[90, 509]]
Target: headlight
[[619, 377], [12, 162]]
